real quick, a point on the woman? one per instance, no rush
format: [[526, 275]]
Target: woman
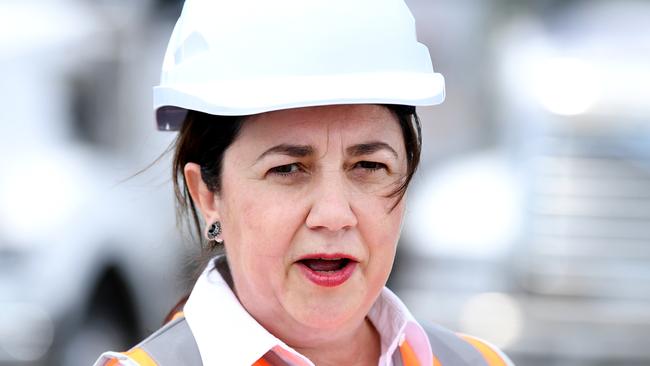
[[298, 138]]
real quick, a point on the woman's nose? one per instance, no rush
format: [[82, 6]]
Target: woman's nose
[[331, 207]]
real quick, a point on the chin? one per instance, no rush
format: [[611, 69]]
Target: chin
[[329, 320], [329, 313]]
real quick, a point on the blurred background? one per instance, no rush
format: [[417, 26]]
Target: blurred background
[[528, 223]]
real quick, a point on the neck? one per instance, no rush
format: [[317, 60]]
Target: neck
[[361, 348]]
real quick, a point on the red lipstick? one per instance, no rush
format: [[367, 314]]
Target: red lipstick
[[327, 270]]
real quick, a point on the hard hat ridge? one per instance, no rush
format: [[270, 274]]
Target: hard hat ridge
[[249, 56]]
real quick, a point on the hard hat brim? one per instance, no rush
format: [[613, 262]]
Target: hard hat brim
[[246, 97]]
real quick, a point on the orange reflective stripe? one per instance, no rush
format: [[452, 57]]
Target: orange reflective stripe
[[261, 362], [136, 354], [436, 361], [141, 357], [177, 315], [408, 355], [490, 355]]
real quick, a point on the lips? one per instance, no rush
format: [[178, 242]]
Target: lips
[[325, 265], [328, 270]]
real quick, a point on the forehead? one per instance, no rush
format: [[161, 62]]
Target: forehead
[[313, 124]]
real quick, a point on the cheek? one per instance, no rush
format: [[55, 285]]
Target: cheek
[[260, 224], [381, 217], [256, 244], [382, 230]]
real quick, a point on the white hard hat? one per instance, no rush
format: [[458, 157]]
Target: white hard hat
[[242, 57]]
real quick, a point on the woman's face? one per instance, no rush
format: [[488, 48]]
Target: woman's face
[[309, 231]]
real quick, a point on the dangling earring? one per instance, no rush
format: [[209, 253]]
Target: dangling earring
[[213, 233]]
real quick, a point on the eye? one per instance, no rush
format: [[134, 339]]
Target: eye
[[370, 165], [287, 169]]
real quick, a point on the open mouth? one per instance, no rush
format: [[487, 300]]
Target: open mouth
[[325, 265], [328, 272]]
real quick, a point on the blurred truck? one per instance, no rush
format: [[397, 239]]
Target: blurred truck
[[90, 257], [541, 244], [577, 93]]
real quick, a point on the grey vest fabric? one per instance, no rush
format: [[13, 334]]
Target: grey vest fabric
[[451, 350], [174, 345]]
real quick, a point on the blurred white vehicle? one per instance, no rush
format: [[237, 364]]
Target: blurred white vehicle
[[87, 262], [541, 245]]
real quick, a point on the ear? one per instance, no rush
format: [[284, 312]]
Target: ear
[[204, 199]]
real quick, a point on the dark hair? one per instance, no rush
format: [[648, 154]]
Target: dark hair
[[203, 139]]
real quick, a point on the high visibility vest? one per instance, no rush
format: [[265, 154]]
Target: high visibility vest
[[174, 344]]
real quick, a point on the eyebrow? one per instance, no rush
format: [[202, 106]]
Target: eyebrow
[[290, 150], [301, 151], [369, 148]]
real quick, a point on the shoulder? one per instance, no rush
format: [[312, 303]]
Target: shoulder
[[492, 354], [134, 357], [457, 348], [173, 344]]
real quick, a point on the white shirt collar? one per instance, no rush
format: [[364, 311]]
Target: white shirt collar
[[226, 334]]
